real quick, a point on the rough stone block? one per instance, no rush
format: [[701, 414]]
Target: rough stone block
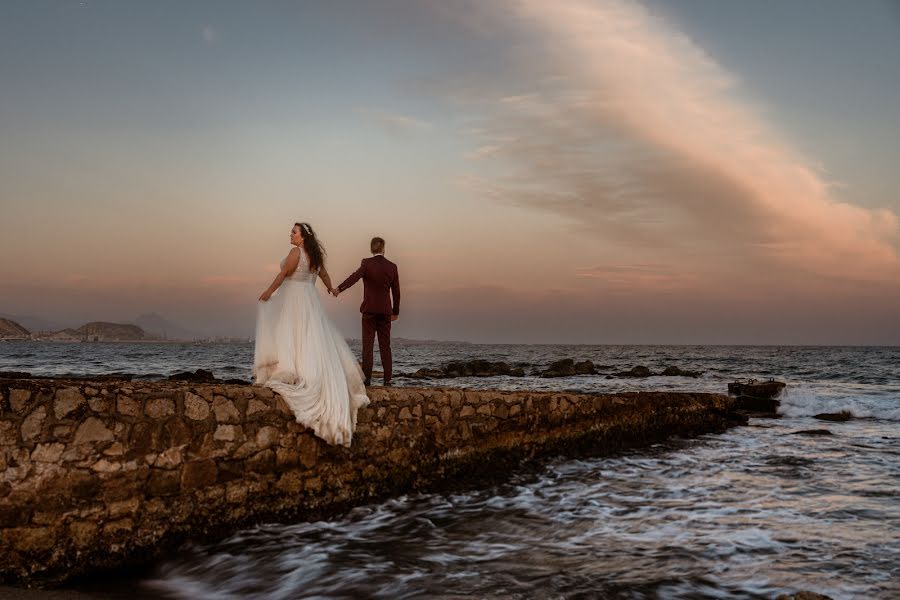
[[195, 407], [290, 483], [8, 435], [164, 483], [308, 447], [128, 406], [267, 437], [286, 458], [33, 424], [198, 473], [236, 492], [123, 508], [170, 458], [158, 408], [33, 540], [226, 411], [246, 449], [261, 462], [18, 400], [106, 466], [256, 407], [47, 453], [115, 449], [82, 533], [226, 433], [93, 430], [68, 400], [99, 405]]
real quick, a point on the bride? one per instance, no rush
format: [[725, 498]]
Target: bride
[[300, 353]]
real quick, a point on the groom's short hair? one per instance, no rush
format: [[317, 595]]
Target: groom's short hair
[[377, 245]]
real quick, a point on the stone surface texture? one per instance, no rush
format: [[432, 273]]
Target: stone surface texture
[[169, 461]]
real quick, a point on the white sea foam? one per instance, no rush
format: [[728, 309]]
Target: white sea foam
[[805, 400]]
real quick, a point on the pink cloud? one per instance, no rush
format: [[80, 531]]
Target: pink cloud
[[629, 129]]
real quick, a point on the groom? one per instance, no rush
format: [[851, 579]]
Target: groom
[[380, 283]]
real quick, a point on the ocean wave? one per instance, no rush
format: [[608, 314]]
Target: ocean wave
[[805, 400]]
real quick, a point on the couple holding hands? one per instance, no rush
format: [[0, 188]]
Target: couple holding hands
[[299, 352]]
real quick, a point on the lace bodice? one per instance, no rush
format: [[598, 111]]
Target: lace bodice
[[302, 274]]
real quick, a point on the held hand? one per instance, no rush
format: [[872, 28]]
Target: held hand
[[264, 297], [394, 317], [334, 292]]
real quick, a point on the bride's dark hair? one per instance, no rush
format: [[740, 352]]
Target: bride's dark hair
[[314, 248]]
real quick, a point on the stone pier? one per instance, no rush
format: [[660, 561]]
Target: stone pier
[[97, 475]]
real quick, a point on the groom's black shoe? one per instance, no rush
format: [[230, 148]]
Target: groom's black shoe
[[388, 383], [367, 382]]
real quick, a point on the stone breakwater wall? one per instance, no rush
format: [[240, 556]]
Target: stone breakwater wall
[[104, 474]]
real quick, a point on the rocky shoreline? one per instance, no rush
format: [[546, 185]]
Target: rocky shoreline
[[103, 474], [567, 367]]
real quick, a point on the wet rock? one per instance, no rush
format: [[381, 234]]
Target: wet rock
[[236, 382], [638, 371], [758, 398], [757, 389], [198, 376], [429, 374], [568, 368], [803, 596], [470, 368], [838, 417], [674, 371], [812, 432], [15, 375]]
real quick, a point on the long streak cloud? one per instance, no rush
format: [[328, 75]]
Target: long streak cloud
[[625, 126]]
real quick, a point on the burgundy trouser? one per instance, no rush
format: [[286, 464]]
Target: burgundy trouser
[[373, 323]]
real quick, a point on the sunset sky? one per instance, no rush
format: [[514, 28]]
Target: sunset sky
[[573, 171]]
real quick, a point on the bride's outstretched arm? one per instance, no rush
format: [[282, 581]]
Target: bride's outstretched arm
[[326, 279], [290, 265]]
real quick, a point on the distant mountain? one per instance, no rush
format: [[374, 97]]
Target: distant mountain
[[10, 328], [119, 332], [161, 327], [34, 323]]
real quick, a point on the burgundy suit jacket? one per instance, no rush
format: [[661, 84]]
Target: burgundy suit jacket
[[380, 283]]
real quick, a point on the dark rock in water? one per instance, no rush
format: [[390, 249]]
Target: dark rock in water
[[812, 432], [428, 374], [198, 376], [638, 371], [803, 596], [15, 375], [757, 396], [760, 406], [470, 368], [106, 377], [757, 389], [676, 372], [839, 417], [568, 367], [236, 382]]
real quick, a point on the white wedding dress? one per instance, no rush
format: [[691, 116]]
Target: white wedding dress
[[301, 355]]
